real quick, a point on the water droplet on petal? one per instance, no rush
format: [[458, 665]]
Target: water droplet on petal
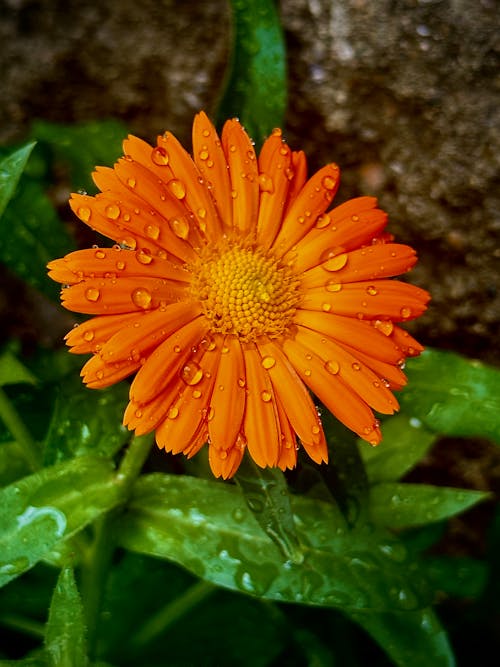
[[192, 373], [177, 188], [196, 393], [385, 326], [141, 297], [152, 231], [92, 294], [84, 213], [315, 430], [329, 183], [332, 366], [204, 154], [332, 286], [177, 349], [356, 366], [326, 307], [120, 265], [206, 133], [160, 156], [143, 256], [266, 396], [266, 183], [405, 312], [335, 263], [131, 182], [88, 336], [173, 412], [100, 254], [307, 372], [371, 290], [129, 242], [323, 221], [112, 211], [268, 362], [180, 227]]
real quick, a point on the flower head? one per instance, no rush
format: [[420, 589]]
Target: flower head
[[231, 290]]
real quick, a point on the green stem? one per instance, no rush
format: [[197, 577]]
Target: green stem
[[95, 569], [23, 624], [172, 612], [20, 433]]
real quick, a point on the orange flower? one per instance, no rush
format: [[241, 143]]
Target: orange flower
[[230, 290]]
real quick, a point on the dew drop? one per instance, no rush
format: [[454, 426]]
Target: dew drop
[[84, 213], [329, 183], [268, 362], [129, 242], [196, 393], [384, 326], [326, 307], [180, 227], [88, 336], [92, 294], [332, 286], [120, 265], [177, 349], [100, 254], [126, 217], [208, 343], [332, 367], [152, 231], [141, 297], [315, 430], [143, 256], [307, 372], [204, 154], [335, 263], [131, 182], [160, 156], [177, 188], [99, 374], [356, 366], [405, 312], [371, 290], [206, 133], [241, 382], [202, 213], [192, 373], [355, 218], [173, 412], [112, 212], [266, 396], [322, 221], [266, 183]]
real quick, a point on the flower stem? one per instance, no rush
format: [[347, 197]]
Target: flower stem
[[14, 423], [95, 569], [172, 612]]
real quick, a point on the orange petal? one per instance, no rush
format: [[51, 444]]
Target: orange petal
[[409, 346], [197, 198], [390, 375], [296, 401], [377, 299], [299, 177], [110, 296], [288, 452], [211, 162], [336, 359], [144, 333], [274, 179], [189, 411], [346, 227], [90, 335], [342, 401], [358, 334], [228, 397], [311, 202], [97, 374], [144, 418], [166, 361], [225, 462], [261, 426], [370, 263], [243, 173]]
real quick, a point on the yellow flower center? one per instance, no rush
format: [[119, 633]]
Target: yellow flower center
[[245, 292]]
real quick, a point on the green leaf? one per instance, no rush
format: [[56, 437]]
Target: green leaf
[[405, 443], [11, 167], [53, 504], [12, 371], [32, 235], [207, 528], [452, 395], [412, 639], [65, 631], [266, 493], [12, 463], [86, 421], [83, 146], [255, 91], [405, 505]]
